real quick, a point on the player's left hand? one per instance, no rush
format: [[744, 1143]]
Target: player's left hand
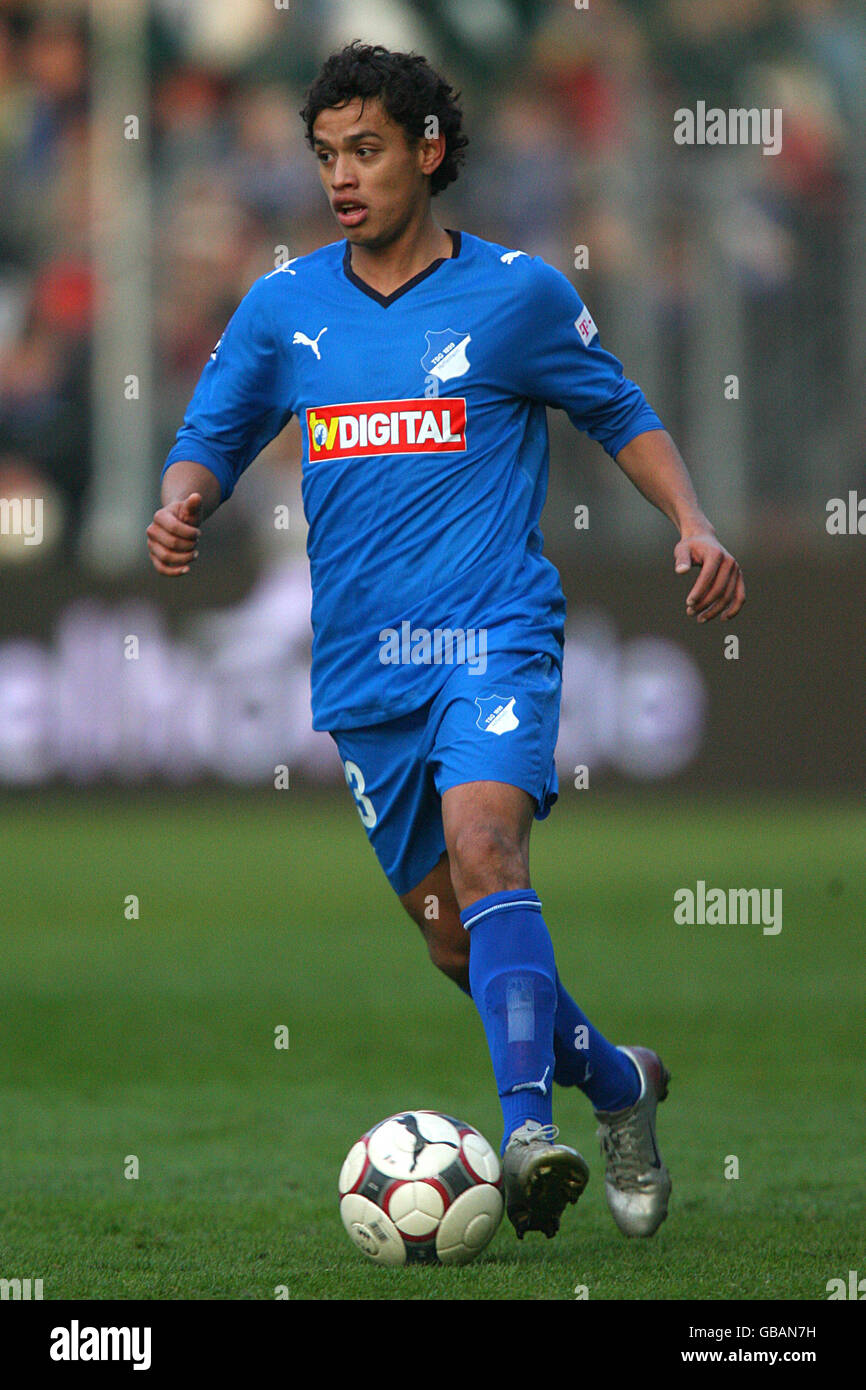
[[719, 588]]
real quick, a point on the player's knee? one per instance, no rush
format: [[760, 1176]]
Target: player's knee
[[448, 946], [451, 958], [487, 856]]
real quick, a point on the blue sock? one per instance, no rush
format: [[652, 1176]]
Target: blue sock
[[512, 976], [586, 1059]]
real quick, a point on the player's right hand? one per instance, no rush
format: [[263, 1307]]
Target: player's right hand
[[173, 535]]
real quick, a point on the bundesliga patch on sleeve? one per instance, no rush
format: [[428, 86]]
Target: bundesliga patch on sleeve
[[585, 326]]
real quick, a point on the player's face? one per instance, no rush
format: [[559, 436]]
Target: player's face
[[375, 180]]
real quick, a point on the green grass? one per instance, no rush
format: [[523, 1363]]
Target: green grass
[[154, 1038]]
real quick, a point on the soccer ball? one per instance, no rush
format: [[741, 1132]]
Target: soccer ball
[[421, 1188]]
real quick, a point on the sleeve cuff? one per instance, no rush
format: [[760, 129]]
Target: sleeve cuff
[[645, 420], [195, 452]]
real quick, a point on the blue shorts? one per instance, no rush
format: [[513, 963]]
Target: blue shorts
[[501, 726]]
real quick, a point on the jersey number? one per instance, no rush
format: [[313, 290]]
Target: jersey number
[[355, 778]]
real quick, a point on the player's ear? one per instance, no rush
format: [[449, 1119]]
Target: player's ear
[[431, 152]]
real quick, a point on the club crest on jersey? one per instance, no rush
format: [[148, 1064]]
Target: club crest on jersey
[[362, 429], [496, 714], [446, 357]]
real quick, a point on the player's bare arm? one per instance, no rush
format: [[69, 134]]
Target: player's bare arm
[[654, 464], [190, 494]]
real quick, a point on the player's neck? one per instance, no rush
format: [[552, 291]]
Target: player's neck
[[386, 268]]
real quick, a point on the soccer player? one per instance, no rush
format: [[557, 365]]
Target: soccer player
[[420, 361]]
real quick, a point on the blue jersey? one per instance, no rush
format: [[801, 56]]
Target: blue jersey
[[425, 453]]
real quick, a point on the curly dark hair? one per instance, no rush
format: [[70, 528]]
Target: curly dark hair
[[409, 90]]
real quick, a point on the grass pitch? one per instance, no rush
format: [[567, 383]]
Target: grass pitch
[[153, 1039]]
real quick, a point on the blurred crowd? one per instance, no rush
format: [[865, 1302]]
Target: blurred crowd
[[567, 110]]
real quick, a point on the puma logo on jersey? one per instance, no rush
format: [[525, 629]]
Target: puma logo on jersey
[[511, 256], [309, 342], [285, 266], [496, 714]]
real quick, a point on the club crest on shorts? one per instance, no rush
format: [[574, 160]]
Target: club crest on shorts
[[496, 714], [446, 354]]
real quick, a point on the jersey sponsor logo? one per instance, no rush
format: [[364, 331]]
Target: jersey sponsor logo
[[496, 714], [309, 342], [585, 326], [446, 357], [362, 429]]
